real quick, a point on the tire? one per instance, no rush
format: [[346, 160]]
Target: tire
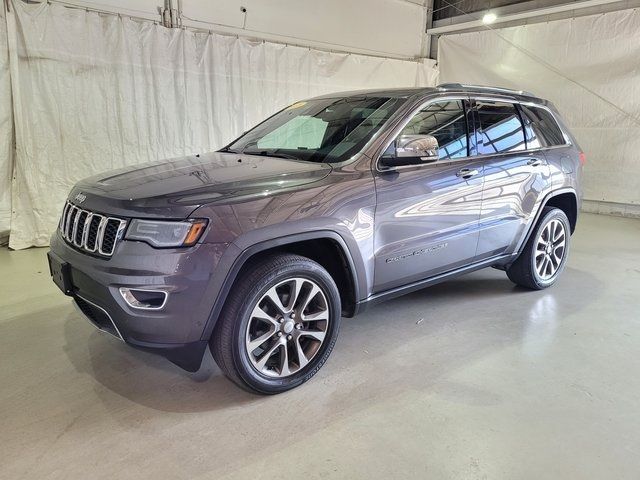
[[252, 325], [528, 270]]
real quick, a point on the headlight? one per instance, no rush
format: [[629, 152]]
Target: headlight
[[162, 233]]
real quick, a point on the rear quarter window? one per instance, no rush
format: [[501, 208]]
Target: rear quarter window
[[500, 129], [541, 129]]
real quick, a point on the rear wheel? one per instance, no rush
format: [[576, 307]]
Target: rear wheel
[[278, 325], [545, 254]]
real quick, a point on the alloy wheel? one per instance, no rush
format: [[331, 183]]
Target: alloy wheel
[[550, 249], [287, 327]]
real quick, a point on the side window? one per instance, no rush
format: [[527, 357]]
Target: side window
[[446, 122], [500, 128], [540, 128]]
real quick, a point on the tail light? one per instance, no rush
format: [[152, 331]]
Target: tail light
[[583, 158]]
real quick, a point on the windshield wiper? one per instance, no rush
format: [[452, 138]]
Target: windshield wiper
[[229, 150], [267, 153]]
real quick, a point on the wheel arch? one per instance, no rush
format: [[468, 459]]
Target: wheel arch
[[566, 200], [568, 203], [318, 246]]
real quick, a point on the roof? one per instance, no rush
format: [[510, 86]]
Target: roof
[[386, 92], [444, 87]]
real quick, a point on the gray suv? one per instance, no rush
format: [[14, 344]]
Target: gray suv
[[324, 209]]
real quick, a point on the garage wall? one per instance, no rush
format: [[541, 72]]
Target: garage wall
[[589, 67], [97, 92], [381, 27], [6, 132]]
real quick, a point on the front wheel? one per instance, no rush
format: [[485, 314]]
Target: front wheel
[[545, 254], [279, 324]]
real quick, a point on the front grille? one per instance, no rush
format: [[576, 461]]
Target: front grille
[[89, 231]]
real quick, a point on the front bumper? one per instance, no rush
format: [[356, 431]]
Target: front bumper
[[176, 330]]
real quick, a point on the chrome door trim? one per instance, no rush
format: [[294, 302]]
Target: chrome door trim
[[470, 96], [491, 98]]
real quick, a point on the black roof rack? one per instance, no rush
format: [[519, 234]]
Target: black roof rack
[[482, 88]]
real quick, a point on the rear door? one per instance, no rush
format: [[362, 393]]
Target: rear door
[[514, 176], [426, 219]]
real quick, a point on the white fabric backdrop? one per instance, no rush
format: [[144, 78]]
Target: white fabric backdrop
[[601, 53], [98, 92], [6, 129]]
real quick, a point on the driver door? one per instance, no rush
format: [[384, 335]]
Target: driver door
[[427, 214]]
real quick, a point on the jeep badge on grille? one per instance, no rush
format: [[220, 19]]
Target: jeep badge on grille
[[80, 197]]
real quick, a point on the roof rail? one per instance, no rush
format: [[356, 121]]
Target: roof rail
[[460, 86]]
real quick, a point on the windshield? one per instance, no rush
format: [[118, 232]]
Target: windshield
[[325, 130]]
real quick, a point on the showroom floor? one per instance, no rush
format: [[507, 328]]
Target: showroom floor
[[473, 378]]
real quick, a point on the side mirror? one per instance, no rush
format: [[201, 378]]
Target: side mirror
[[412, 150]]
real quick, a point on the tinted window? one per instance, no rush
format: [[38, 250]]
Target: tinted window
[[500, 129], [541, 128], [446, 122]]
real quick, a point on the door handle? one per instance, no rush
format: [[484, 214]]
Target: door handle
[[467, 173], [534, 162]]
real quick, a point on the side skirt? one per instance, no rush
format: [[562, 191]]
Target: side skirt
[[362, 305]]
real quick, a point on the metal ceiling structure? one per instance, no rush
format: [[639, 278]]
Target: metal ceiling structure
[[458, 16]]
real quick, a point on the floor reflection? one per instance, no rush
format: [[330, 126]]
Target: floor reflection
[[541, 324]]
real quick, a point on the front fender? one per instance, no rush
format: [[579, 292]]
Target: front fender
[[238, 253]]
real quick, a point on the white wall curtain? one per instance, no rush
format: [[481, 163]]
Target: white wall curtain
[[589, 67], [6, 130], [98, 92]]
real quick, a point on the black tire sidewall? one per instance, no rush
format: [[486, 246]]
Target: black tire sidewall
[[553, 214], [263, 383]]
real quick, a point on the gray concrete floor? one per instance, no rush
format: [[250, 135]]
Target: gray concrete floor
[[473, 378]]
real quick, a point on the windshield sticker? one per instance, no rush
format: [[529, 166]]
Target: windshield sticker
[[296, 105]]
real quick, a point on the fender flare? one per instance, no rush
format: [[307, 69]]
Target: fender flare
[[549, 196], [249, 252]]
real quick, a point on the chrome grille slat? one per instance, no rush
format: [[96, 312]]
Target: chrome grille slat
[[85, 230], [67, 223], [64, 216], [74, 233], [101, 227], [72, 216], [92, 240], [76, 226]]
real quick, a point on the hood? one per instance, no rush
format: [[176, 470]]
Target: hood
[[174, 188]]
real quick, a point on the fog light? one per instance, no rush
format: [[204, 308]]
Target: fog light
[[144, 299]]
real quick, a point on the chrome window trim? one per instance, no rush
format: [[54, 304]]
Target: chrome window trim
[[490, 98], [471, 97]]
